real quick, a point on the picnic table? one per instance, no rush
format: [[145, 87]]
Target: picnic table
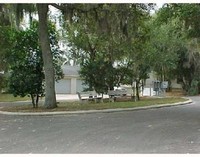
[[89, 96], [114, 94]]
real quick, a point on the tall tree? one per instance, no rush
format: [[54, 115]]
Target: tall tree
[[50, 96], [105, 34], [26, 63], [166, 40], [4, 36], [5, 44], [188, 16], [16, 12]]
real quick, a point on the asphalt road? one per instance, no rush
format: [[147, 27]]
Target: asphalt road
[[164, 130]]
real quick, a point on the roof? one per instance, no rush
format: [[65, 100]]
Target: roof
[[70, 70]]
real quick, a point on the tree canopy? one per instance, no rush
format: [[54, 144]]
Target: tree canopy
[[26, 63], [113, 43]]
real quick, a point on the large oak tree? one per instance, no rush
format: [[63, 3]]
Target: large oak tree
[[50, 96]]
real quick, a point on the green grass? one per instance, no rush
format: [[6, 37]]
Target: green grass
[[126, 104], [74, 106], [11, 98]]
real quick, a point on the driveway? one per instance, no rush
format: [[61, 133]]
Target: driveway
[[163, 130]]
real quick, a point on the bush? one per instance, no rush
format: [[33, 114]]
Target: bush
[[193, 90]]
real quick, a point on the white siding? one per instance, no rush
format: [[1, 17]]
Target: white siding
[[63, 86], [73, 86], [79, 86], [148, 92]]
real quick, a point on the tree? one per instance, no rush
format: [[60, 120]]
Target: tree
[[109, 19], [166, 40], [18, 11], [188, 64], [104, 35], [5, 44], [50, 97], [27, 79], [135, 65], [27, 75], [15, 13]]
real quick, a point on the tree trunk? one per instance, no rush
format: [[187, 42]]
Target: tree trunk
[[33, 100], [137, 90], [37, 100], [50, 96]]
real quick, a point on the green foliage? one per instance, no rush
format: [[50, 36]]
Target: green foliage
[[188, 14], [27, 75], [26, 79], [188, 63], [5, 46], [107, 34], [1, 81], [97, 75], [166, 40], [4, 15], [194, 88]]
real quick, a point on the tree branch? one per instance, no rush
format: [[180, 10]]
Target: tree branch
[[74, 7], [57, 6]]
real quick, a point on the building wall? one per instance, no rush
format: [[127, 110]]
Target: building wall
[[79, 85], [149, 82], [69, 86], [73, 86], [72, 83], [63, 86]]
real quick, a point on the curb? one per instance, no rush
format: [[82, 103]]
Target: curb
[[94, 111]]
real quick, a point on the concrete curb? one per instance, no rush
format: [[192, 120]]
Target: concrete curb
[[94, 111]]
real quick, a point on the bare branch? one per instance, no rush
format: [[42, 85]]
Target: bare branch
[[57, 6]]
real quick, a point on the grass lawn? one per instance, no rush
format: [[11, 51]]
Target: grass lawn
[[11, 98], [74, 106]]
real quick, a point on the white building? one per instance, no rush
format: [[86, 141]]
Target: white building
[[71, 83]]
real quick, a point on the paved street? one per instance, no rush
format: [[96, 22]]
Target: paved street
[[163, 130]]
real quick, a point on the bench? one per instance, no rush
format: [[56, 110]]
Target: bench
[[89, 96], [114, 94]]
